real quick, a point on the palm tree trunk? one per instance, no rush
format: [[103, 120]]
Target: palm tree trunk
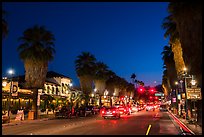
[[34, 104], [100, 103], [178, 56]]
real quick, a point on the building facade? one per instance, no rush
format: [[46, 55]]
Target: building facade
[[57, 91]]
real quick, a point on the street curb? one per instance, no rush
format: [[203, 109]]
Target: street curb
[[25, 121], [180, 123]]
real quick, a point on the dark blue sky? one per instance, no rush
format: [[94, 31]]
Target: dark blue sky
[[127, 36]]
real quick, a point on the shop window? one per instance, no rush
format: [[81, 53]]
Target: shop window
[[53, 90]]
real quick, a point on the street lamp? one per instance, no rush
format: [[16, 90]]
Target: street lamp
[[185, 87], [70, 84], [10, 72], [176, 83]]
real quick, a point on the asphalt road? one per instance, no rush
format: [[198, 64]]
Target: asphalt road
[[138, 123]]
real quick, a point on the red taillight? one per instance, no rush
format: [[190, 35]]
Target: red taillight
[[103, 111], [113, 111], [124, 109]]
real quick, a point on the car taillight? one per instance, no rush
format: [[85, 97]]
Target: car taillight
[[113, 111], [125, 110], [103, 111]]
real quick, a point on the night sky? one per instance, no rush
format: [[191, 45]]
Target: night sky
[[127, 36]]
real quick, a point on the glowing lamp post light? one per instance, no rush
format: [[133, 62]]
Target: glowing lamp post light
[[176, 83], [70, 84]]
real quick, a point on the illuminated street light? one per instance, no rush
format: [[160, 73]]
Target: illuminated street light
[[92, 95], [11, 72], [185, 87], [176, 83], [70, 84], [95, 89]]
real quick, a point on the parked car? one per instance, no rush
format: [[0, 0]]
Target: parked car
[[64, 112], [163, 108], [5, 118], [85, 111], [110, 112], [75, 112], [96, 110]]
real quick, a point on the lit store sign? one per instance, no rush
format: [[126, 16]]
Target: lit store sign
[[194, 93]]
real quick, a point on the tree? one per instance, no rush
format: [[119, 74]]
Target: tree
[[188, 18], [4, 25], [133, 77], [169, 64], [85, 69], [100, 78], [36, 50], [171, 31]]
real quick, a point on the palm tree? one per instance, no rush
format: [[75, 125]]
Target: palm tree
[[169, 64], [171, 31], [4, 25], [85, 68], [188, 18], [133, 77], [36, 50], [100, 78], [165, 83]]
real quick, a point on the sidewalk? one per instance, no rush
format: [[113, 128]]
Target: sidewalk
[[196, 129], [16, 122]]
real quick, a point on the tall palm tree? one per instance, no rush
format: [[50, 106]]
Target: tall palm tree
[[169, 65], [100, 78], [188, 18], [110, 82], [4, 25], [36, 50], [171, 31], [165, 83], [85, 68]]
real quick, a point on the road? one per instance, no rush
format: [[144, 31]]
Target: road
[[138, 123]]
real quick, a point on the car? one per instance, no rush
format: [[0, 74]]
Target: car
[[163, 107], [94, 109], [85, 111], [150, 107], [64, 112], [124, 110], [117, 105], [135, 108], [110, 112]]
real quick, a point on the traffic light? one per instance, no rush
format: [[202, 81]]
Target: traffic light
[[140, 89], [121, 98], [152, 90]]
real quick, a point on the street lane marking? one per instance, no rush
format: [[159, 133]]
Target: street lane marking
[[148, 130]]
